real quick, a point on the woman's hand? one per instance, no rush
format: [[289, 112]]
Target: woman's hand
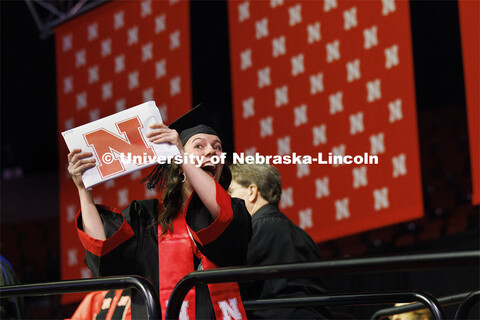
[[160, 133], [78, 162]]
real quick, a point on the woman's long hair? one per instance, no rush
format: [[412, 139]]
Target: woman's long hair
[[168, 178]]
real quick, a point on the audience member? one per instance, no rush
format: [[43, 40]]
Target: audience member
[[276, 240]]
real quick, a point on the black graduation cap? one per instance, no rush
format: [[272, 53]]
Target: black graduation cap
[[201, 119]]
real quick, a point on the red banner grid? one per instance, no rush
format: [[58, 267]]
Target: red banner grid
[[330, 76], [117, 56]]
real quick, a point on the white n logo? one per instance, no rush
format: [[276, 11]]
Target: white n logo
[[376, 144], [319, 135], [399, 167], [118, 20], [278, 46], [350, 18], [250, 151], [94, 114], [395, 108], [313, 31], [175, 87], [67, 84], [373, 90], [300, 115], [67, 42], [359, 177], [107, 90], [266, 128], [93, 74], [246, 57], [275, 3], [81, 100], [122, 197], [370, 36], [381, 198], [80, 58], [133, 80], [119, 63], [316, 83], [287, 198], [243, 11], [321, 188], [302, 170], [305, 218], [230, 309], [297, 65], [147, 52], [92, 31], [283, 145], [72, 257], [391, 56], [295, 14], [146, 8], [356, 123], [71, 213], [338, 151], [353, 70], [248, 109], [329, 5], [160, 68], [148, 95], [160, 24], [388, 6], [174, 40], [261, 28], [263, 77], [106, 47], [132, 35], [336, 104], [281, 96], [341, 208], [333, 51]]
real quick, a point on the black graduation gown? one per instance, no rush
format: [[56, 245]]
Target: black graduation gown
[[277, 240], [131, 247]]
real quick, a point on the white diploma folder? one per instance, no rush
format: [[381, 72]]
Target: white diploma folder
[[119, 143]]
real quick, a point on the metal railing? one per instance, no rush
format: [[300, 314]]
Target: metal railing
[[444, 301], [141, 284], [467, 305], [364, 298], [362, 265]]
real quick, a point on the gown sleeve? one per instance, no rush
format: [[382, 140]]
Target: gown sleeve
[[223, 240], [276, 241], [116, 255]]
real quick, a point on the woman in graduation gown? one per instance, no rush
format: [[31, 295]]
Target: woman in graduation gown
[[196, 226]]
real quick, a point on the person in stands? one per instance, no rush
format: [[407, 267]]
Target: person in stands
[[276, 240]]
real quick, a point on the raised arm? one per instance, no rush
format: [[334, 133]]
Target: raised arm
[[199, 181], [78, 162]]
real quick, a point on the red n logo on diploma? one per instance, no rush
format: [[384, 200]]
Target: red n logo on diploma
[[129, 140]]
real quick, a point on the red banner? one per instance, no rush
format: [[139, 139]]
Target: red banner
[[469, 12], [112, 58], [331, 77]]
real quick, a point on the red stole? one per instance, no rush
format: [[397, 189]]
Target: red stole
[[175, 252]]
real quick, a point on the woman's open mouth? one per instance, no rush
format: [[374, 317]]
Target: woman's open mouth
[[209, 168]]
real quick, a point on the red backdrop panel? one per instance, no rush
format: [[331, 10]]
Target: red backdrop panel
[[470, 33], [112, 58], [330, 76]]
